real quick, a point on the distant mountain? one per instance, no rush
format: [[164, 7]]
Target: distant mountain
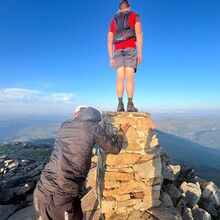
[[182, 151], [208, 138], [28, 130], [201, 130]]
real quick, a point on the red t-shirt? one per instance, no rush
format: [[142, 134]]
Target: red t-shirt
[[133, 18]]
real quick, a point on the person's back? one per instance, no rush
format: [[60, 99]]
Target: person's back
[[62, 178], [71, 159]]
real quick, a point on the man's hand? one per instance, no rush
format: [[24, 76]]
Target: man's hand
[[123, 128], [139, 59], [112, 62]]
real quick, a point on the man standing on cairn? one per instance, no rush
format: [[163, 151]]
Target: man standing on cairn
[[124, 32]]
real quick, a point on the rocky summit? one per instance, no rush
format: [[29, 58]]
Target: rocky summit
[[20, 168], [141, 182], [184, 195]]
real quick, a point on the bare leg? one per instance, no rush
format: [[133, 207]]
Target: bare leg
[[129, 74], [120, 88], [129, 81], [120, 81]]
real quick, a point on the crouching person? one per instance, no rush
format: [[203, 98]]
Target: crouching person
[[57, 193]]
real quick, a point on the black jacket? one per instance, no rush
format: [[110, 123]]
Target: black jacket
[[71, 158]]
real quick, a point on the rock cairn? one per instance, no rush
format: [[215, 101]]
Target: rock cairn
[[120, 193], [131, 180]]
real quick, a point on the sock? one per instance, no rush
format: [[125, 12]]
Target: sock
[[129, 100], [120, 100]]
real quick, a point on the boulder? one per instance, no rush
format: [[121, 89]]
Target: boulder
[[200, 214], [26, 213], [7, 210], [192, 192]]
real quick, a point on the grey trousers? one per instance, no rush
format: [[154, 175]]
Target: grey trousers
[[50, 210]]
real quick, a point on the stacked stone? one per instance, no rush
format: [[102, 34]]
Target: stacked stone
[[132, 179]]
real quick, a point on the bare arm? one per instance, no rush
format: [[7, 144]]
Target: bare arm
[[110, 48], [139, 37]]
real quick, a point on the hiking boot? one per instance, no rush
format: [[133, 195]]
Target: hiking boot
[[120, 107], [131, 108]]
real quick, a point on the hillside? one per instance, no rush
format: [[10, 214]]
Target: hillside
[[182, 151], [28, 130], [201, 130]]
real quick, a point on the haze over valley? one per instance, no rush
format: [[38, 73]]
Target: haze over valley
[[201, 130], [191, 141]]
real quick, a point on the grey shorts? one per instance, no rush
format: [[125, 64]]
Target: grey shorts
[[126, 57]]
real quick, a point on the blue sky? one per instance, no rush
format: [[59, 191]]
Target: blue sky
[[53, 56]]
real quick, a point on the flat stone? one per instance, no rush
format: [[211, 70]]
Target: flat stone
[[111, 192], [107, 205], [132, 135], [109, 184], [132, 186], [142, 206], [122, 159], [149, 169], [163, 213], [118, 176], [138, 195], [123, 197], [125, 114], [135, 215], [145, 124], [130, 202], [122, 120], [90, 201], [120, 169], [133, 146]]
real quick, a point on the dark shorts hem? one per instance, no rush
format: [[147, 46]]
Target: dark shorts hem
[[126, 57]]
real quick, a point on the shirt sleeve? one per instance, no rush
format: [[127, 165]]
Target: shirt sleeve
[[134, 17], [110, 144], [138, 19], [112, 26]]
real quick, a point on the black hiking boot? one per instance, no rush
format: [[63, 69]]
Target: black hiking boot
[[120, 107], [131, 108]]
